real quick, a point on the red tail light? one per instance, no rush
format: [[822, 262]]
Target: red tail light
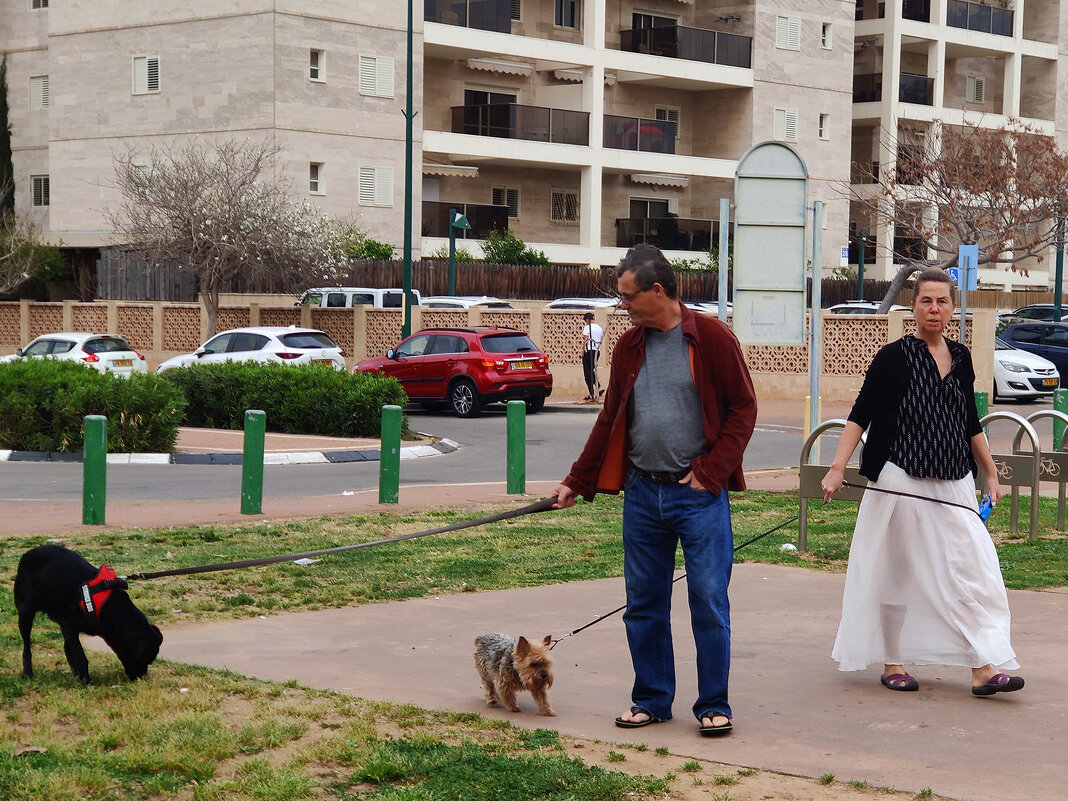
[[139, 356], [543, 361], [92, 358], [288, 356]]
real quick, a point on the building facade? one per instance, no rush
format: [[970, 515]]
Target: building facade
[[584, 126]]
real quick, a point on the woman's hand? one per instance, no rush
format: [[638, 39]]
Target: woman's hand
[[832, 482]]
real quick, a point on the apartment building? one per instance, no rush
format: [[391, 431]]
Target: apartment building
[[922, 64], [583, 126]]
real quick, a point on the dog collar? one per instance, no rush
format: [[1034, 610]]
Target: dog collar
[[93, 594]]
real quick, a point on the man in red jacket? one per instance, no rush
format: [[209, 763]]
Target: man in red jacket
[[678, 413]]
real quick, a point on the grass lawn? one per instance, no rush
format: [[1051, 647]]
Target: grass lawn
[[193, 733]]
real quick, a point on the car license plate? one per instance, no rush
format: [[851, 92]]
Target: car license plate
[[123, 362], [1049, 382], [528, 365], [327, 362]]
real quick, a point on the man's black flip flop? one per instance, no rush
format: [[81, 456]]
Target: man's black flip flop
[[632, 724]]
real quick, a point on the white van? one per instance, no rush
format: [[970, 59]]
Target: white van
[[343, 297]]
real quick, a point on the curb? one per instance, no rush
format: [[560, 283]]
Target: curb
[[279, 458]]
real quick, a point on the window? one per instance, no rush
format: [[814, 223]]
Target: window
[[506, 196], [316, 65], [38, 4], [566, 14], [376, 186], [825, 126], [565, 206], [376, 76], [145, 74], [38, 91], [315, 178], [517, 10], [669, 114], [825, 36], [788, 33], [976, 91], [785, 125], [40, 190]]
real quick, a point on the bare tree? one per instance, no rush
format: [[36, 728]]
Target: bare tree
[[20, 253], [1000, 189], [212, 208]]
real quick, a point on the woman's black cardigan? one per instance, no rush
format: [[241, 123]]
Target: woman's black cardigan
[[877, 405]]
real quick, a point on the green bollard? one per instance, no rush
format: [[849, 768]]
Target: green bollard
[[389, 456], [517, 447], [94, 470], [1060, 404], [252, 462]]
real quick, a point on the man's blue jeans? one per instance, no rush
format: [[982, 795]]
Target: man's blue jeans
[[656, 518]]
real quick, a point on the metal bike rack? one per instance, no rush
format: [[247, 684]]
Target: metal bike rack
[[810, 476], [1054, 464], [1019, 469]]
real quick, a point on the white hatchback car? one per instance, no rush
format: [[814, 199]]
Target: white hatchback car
[[464, 302], [108, 353], [581, 304], [862, 307], [277, 345], [1019, 374]]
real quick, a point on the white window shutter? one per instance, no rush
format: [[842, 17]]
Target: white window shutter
[[39, 91], [791, 124], [785, 126], [145, 74], [383, 186], [788, 33], [976, 88], [367, 186], [384, 77], [368, 75], [153, 73]]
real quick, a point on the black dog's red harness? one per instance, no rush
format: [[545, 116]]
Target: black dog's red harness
[[95, 593]]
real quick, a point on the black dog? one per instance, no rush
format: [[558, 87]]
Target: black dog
[[82, 600]]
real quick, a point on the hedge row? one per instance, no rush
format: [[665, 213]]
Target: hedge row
[[43, 403], [312, 399]]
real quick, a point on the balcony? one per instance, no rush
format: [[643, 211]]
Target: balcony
[[667, 233], [636, 133], [978, 17], [483, 15], [918, 89], [515, 121], [867, 88], [483, 219], [916, 10], [692, 44]]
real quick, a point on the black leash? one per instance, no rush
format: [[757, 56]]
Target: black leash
[[910, 495], [679, 578], [537, 506]]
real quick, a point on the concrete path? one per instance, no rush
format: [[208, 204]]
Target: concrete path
[[794, 712]]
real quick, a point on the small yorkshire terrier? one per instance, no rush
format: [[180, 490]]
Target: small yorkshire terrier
[[508, 665]]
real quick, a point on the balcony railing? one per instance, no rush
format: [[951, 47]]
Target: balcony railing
[[515, 121], [867, 88], [916, 10], [692, 44], [917, 89], [483, 15], [483, 219], [669, 233], [979, 17], [635, 133]]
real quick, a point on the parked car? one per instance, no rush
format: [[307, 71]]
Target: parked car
[[464, 302], [343, 297], [1048, 340], [1019, 374], [707, 306], [862, 307], [278, 345], [108, 353], [467, 368], [1036, 311], [581, 304]]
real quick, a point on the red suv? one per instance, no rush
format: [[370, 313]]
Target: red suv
[[467, 368]]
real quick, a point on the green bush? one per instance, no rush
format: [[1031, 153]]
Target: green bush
[[311, 399], [43, 403], [507, 248], [365, 248]]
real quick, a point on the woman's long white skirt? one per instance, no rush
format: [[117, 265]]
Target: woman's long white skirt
[[923, 585]]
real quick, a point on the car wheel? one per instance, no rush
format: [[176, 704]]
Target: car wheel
[[535, 404], [464, 399]]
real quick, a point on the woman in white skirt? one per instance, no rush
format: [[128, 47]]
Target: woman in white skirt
[[923, 585]]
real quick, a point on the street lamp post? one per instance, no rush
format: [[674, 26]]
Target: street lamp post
[[409, 117], [1060, 267], [860, 263], [456, 220]]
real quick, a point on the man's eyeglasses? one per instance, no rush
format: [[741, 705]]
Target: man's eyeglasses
[[624, 297]]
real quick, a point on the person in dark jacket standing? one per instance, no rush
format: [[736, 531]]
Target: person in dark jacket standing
[[678, 413], [923, 585]]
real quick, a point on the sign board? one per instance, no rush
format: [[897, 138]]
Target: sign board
[[844, 262], [770, 200], [967, 264]]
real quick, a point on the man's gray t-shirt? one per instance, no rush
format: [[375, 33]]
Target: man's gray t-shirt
[[666, 425]]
